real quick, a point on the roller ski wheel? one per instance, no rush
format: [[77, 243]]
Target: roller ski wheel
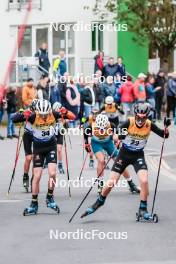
[[91, 164], [133, 188], [50, 203], [61, 169], [31, 210], [26, 183]]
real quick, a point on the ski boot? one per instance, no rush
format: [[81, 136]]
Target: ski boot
[[32, 209], [100, 186], [60, 168], [26, 182], [133, 187], [50, 203], [91, 163], [90, 210]]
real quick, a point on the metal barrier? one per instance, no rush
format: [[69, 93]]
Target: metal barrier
[[21, 72]]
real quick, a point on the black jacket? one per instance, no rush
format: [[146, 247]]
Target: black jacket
[[11, 102]]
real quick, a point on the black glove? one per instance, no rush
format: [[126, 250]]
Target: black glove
[[167, 122]]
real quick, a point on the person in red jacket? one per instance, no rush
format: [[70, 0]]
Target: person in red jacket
[[127, 96], [99, 64], [139, 88]]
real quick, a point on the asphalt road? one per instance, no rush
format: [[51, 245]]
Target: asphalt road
[[48, 237]]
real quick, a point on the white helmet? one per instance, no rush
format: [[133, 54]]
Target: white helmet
[[109, 100], [56, 106], [102, 121], [43, 107]]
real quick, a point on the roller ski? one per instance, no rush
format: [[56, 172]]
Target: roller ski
[[26, 182], [133, 188], [90, 210], [143, 216], [60, 168], [91, 163], [50, 203], [32, 209]]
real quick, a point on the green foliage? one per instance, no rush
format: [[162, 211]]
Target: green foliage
[[154, 20]]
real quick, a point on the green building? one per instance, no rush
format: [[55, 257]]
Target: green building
[[135, 56]]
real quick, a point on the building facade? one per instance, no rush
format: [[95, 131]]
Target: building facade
[[47, 23]]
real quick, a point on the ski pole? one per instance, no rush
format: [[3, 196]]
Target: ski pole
[[91, 187], [66, 160], [83, 166], [16, 160], [159, 168]]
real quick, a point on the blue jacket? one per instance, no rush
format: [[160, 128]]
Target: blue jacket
[[150, 91], [171, 87]]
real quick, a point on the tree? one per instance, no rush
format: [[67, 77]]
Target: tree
[[152, 20]]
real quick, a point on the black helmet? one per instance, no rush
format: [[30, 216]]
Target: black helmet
[[142, 109]]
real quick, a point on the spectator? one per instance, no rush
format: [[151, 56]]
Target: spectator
[[44, 63], [60, 65], [110, 68], [109, 88], [2, 105], [98, 91], [121, 67], [43, 89], [72, 101], [159, 82], [11, 109], [99, 64], [54, 93], [118, 83], [150, 93], [171, 95], [127, 96], [139, 88], [28, 93]]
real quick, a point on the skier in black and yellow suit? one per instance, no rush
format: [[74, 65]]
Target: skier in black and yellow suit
[[131, 153], [43, 121], [112, 110]]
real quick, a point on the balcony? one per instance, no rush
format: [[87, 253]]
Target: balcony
[[24, 4]]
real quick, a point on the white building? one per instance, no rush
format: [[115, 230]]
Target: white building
[[80, 46]]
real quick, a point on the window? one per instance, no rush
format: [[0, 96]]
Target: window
[[41, 37], [25, 50], [59, 40], [71, 41], [97, 36]]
